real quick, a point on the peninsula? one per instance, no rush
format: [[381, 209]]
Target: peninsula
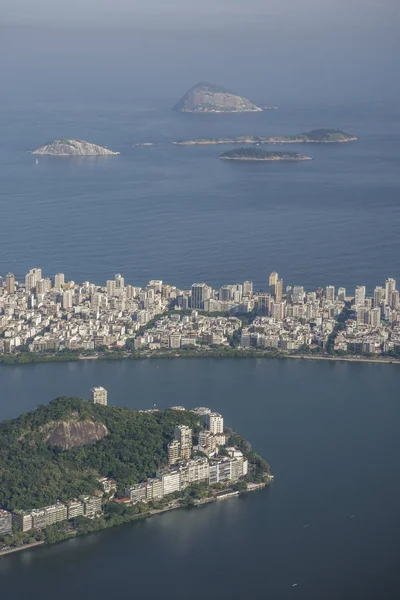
[[317, 136], [256, 154], [209, 98], [75, 466], [73, 148]]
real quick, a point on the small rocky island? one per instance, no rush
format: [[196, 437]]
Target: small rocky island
[[317, 136], [73, 148], [256, 154], [209, 98]]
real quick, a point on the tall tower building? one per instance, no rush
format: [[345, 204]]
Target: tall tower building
[[375, 317], [248, 288], [214, 422], [330, 293], [183, 435], [32, 278], [99, 395], [67, 299], [359, 298], [59, 281], [273, 280], [342, 294], [379, 295], [200, 293], [10, 283], [395, 299], [119, 281], [279, 290], [174, 452], [111, 285], [390, 286]]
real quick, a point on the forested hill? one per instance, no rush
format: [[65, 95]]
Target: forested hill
[[59, 450]]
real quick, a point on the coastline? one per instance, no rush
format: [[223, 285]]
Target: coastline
[[259, 141], [216, 354], [275, 159], [225, 495]]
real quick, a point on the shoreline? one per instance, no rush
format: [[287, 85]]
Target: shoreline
[[238, 354], [226, 495]]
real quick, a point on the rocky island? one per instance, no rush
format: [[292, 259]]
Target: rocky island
[[75, 466], [256, 154], [209, 98], [73, 148], [317, 136]]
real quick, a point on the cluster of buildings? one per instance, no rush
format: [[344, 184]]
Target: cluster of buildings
[[296, 319], [183, 331], [40, 518], [41, 314], [375, 324], [184, 469]]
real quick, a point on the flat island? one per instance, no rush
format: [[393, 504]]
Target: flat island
[[256, 154], [73, 148], [317, 136], [75, 466]]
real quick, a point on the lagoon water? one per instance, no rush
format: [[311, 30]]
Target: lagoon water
[[329, 522]]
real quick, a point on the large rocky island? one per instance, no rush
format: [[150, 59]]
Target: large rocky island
[[316, 136], [209, 98], [75, 466], [255, 154], [73, 148]]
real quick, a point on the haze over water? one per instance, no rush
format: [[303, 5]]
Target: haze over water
[[330, 431]]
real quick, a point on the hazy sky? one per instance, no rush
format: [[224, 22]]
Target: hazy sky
[[271, 50], [367, 14]]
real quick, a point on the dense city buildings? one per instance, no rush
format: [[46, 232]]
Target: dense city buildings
[[41, 315]]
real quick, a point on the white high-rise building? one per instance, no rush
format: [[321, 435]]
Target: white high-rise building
[[111, 285], [379, 295], [59, 281], [330, 293], [200, 293], [214, 422], [342, 294], [99, 395], [183, 435], [375, 317], [390, 286], [359, 298], [248, 288], [119, 281], [67, 298]]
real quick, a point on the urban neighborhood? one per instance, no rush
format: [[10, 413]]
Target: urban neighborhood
[[41, 315]]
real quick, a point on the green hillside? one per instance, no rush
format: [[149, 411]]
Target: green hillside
[[34, 474]]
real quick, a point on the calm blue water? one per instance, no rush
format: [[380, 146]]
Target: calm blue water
[[178, 214], [329, 522], [329, 430]]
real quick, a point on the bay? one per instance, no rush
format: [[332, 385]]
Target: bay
[[329, 522]]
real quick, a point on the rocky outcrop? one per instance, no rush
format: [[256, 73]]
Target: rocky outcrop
[[69, 434], [73, 148], [206, 97]]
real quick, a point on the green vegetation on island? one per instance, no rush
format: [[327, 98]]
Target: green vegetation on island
[[254, 153], [325, 136], [61, 454]]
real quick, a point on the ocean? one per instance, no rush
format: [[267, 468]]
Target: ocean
[[178, 214]]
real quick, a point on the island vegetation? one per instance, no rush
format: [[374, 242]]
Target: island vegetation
[[322, 136], [257, 154], [45, 458]]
